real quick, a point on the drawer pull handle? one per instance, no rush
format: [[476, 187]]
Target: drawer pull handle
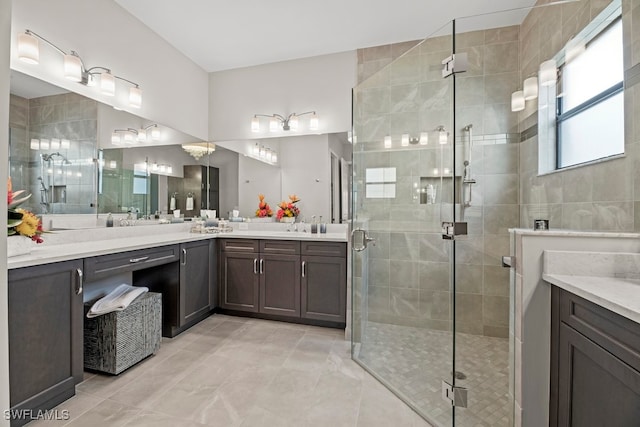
[[142, 258], [261, 266], [184, 256], [255, 266], [304, 268], [78, 281]]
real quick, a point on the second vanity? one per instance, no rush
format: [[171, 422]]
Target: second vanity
[[264, 272]]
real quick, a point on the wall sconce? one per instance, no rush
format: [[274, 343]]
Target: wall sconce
[[74, 68], [199, 149], [517, 101], [530, 88], [144, 134], [548, 73], [387, 141], [443, 135], [290, 122], [128, 136], [264, 154]]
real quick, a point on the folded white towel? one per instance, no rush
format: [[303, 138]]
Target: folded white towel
[[189, 204], [116, 300]]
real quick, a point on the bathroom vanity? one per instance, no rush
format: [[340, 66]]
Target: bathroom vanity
[[296, 277]]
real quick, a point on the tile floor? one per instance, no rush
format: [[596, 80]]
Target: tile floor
[[232, 371], [415, 360]]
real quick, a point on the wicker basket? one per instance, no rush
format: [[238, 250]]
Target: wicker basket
[[116, 341]]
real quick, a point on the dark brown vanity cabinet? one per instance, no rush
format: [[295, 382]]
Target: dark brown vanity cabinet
[[324, 281], [595, 365], [197, 281], [260, 276], [45, 335], [284, 279]]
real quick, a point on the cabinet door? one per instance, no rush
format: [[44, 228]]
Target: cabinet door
[[595, 387], [324, 288], [45, 335], [239, 281], [280, 284], [194, 281]]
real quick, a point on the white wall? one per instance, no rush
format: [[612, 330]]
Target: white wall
[[306, 169], [321, 83], [175, 90], [255, 177], [5, 36]]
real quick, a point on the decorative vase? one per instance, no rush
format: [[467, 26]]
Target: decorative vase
[[18, 245], [288, 219]]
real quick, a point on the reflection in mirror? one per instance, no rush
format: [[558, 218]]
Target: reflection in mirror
[[63, 150]]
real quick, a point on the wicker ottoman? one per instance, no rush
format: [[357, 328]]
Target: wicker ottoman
[[116, 341]]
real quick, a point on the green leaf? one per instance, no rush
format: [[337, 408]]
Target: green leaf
[[19, 201], [14, 222], [11, 232]]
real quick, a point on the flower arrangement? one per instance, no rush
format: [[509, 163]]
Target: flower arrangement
[[264, 210], [21, 221], [288, 209]]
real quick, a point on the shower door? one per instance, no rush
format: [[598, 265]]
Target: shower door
[[434, 191], [403, 190]]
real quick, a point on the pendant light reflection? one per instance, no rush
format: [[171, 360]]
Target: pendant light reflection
[[517, 101]]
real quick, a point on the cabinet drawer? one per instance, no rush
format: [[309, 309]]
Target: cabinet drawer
[[617, 334], [239, 245], [279, 247], [324, 248], [106, 265]]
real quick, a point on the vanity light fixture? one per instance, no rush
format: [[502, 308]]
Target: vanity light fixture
[[74, 68], [127, 135], [443, 135], [404, 140], [199, 149], [290, 122], [530, 88], [517, 101], [387, 141], [548, 73], [263, 154]]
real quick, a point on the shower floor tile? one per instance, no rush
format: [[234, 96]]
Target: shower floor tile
[[413, 361]]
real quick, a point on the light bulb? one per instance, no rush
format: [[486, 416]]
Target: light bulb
[[169, 169], [73, 68], [530, 89], [314, 122], [443, 137], [268, 155], [128, 137], [115, 138], [135, 97], [255, 124], [256, 150], [142, 135], [263, 153], [274, 157], [155, 133], [273, 124], [154, 166], [517, 101], [387, 141], [108, 84], [44, 144], [55, 144], [163, 168], [28, 49], [404, 141], [293, 123], [548, 73], [424, 138], [113, 164]]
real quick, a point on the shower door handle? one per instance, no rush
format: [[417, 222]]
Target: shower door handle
[[360, 240]]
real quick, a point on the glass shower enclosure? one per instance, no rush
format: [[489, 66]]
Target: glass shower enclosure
[[435, 190]]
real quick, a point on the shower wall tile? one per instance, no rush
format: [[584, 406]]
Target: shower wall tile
[[405, 48], [502, 34], [470, 250], [404, 274], [465, 39], [499, 87], [467, 278], [405, 69], [434, 248], [379, 273], [376, 100], [496, 281], [501, 189], [405, 98], [475, 58], [613, 216], [469, 308], [431, 65], [470, 91], [499, 218], [495, 331], [495, 246], [577, 216], [378, 299], [498, 118], [435, 276], [499, 57], [405, 302], [495, 310], [404, 246], [435, 304], [610, 181], [501, 158]]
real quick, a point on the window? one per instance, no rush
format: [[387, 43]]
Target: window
[[581, 112], [590, 105]]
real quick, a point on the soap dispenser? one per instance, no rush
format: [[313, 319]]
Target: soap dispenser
[[314, 225], [109, 220], [323, 226]]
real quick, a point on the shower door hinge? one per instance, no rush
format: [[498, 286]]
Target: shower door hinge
[[456, 395], [452, 229], [456, 63]]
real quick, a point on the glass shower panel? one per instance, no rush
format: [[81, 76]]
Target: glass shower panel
[[403, 190]]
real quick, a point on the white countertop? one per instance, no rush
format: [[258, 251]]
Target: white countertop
[[50, 253], [620, 295], [609, 279]]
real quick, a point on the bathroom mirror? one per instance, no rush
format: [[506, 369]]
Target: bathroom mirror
[[78, 156]]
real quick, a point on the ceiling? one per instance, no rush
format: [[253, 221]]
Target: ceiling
[[220, 35]]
